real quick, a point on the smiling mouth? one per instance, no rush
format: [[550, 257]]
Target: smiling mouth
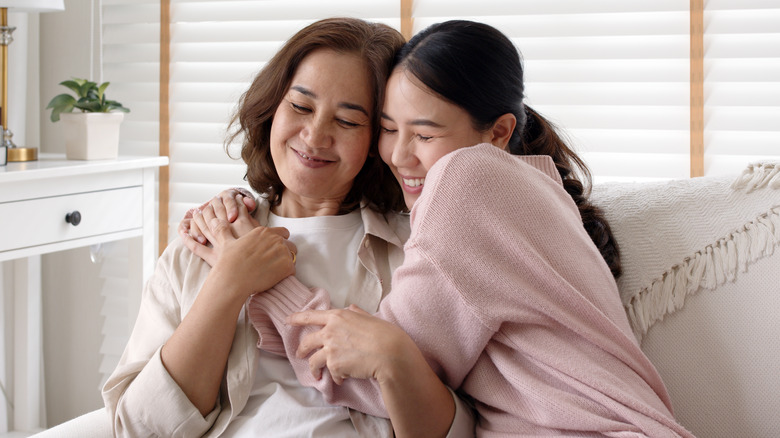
[[306, 157], [414, 182]]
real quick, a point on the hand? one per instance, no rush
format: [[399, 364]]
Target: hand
[[353, 343], [225, 206], [244, 223], [251, 263], [211, 225]]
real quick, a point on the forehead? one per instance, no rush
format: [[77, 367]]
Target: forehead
[[331, 74], [407, 97]]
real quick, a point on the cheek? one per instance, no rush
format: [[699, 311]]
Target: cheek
[[357, 145], [386, 150], [429, 156], [435, 152], [281, 127]]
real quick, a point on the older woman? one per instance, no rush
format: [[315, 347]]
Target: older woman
[[309, 123]]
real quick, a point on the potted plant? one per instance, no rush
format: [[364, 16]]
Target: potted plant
[[92, 133]]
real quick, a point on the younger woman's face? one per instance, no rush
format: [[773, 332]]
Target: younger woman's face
[[418, 128]]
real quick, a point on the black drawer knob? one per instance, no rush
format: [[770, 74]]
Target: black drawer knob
[[73, 218]]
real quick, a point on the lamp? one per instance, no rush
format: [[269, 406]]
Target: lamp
[[7, 147]]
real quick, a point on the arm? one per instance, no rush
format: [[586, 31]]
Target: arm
[[140, 371], [196, 354], [168, 380]]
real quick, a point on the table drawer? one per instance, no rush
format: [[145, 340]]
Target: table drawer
[[41, 221]]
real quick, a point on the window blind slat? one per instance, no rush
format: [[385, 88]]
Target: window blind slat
[[470, 8], [279, 10]]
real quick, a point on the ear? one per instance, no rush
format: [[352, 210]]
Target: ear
[[502, 130]]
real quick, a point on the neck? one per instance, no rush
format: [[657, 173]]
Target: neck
[[294, 205]]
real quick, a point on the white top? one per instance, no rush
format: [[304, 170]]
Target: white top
[[327, 257]]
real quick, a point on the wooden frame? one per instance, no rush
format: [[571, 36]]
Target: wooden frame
[[165, 135], [407, 21], [697, 88]]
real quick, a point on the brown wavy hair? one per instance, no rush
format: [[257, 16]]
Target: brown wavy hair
[[377, 45], [478, 68]]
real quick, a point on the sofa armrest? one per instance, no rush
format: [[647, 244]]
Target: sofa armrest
[[95, 424]]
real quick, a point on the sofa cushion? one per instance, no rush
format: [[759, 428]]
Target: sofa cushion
[[682, 236]]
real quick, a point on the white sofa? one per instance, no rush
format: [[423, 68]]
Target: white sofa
[[701, 286]]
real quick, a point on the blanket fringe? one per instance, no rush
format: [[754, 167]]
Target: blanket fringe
[[757, 176], [706, 269]]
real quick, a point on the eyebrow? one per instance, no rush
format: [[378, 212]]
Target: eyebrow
[[415, 122], [346, 105]]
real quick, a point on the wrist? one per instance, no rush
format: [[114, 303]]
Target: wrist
[[405, 360], [223, 292]]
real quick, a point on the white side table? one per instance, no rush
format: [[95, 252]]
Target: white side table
[[55, 204]]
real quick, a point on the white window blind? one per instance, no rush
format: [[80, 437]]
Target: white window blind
[[130, 42], [741, 83], [614, 75]]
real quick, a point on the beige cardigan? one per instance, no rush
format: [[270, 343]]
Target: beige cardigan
[[142, 398]]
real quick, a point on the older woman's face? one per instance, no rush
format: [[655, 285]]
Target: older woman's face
[[321, 130]]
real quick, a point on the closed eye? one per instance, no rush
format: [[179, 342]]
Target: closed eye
[[299, 108], [347, 124]]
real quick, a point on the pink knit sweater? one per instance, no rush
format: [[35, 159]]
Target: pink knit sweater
[[510, 302]]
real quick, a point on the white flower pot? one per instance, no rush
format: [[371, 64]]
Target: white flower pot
[[91, 136]]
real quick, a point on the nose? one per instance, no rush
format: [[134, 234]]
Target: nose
[[316, 133], [403, 153]]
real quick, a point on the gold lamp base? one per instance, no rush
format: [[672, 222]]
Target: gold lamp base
[[22, 154]]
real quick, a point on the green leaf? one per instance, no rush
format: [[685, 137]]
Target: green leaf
[[61, 100], [73, 85], [113, 105], [90, 106], [88, 89], [102, 89], [59, 104]]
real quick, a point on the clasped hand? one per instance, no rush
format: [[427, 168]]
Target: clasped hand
[[252, 258]]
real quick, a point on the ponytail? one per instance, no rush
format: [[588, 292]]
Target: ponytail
[[540, 138]]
